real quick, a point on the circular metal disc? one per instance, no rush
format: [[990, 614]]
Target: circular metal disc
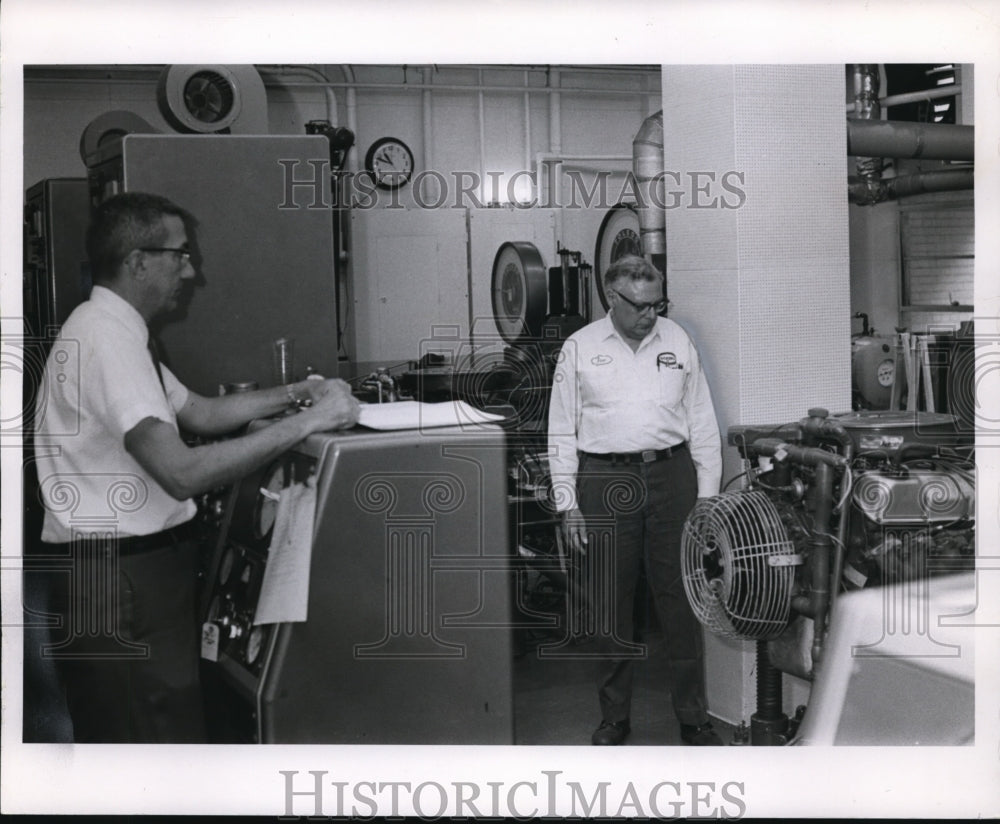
[[617, 237], [519, 291]]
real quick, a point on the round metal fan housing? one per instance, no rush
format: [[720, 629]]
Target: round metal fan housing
[[519, 291], [204, 99], [617, 236], [739, 564]]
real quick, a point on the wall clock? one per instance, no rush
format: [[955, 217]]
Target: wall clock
[[390, 163]]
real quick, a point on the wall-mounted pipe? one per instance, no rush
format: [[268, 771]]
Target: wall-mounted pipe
[[866, 107], [427, 110], [946, 180], [352, 116], [931, 141]]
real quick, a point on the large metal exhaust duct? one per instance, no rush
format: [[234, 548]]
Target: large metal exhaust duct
[[647, 166]]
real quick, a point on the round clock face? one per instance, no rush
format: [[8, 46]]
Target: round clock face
[[390, 162]]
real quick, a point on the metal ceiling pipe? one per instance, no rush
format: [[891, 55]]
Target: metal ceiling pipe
[[308, 71], [932, 141], [647, 166], [925, 96], [946, 180]]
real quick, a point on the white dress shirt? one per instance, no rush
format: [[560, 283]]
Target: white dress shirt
[[607, 398], [99, 383]]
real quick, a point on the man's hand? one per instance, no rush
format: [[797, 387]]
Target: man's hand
[[574, 530], [333, 405], [313, 389]]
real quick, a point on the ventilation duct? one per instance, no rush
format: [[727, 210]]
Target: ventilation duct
[[647, 166], [204, 99]]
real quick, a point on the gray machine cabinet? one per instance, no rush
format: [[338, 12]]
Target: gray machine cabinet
[[264, 252], [408, 635]]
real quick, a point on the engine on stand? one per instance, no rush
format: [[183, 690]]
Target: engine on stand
[[831, 503]]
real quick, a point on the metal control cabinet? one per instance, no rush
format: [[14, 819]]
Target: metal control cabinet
[[56, 273], [263, 251], [408, 636]]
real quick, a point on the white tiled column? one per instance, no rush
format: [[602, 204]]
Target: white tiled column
[[758, 270]]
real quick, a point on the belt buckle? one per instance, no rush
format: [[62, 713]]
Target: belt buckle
[[648, 455]]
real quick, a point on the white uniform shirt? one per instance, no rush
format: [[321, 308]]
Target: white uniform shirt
[[607, 398], [99, 383]]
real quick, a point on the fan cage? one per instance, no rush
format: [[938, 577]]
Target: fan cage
[[209, 97], [738, 566]]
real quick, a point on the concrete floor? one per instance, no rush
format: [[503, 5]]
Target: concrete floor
[[555, 696]]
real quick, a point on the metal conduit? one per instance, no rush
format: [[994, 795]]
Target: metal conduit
[[885, 138]]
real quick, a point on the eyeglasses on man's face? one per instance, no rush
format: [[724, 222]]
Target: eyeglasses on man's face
[[641, 308], [184, 255]]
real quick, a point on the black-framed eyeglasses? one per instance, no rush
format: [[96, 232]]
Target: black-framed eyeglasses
[[185, 254], [641, 308]]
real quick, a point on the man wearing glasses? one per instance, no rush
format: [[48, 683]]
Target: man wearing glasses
[[633, 442], [117, 480]]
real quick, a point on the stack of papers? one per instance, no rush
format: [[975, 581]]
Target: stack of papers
[[416, 415]]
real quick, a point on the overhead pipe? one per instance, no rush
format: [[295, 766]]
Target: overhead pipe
[[914, 97], [133, 74], [929, 141], [321, 79], [944, 180], [871, 139]]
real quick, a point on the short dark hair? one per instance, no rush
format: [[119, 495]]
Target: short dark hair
[[631, 267], [124, 222]]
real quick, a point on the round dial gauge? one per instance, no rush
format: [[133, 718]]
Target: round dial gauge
[[886, 372], [519, 291], [255, 643], [617, 237], [390, 163], [267, 500]]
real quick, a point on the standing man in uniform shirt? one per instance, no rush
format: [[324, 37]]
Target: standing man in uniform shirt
[[633, 442], [117, 480]]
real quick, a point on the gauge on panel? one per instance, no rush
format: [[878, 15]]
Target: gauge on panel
[[886, 372]]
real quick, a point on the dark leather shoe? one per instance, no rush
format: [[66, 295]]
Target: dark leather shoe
[[611, 733], [701, 735]]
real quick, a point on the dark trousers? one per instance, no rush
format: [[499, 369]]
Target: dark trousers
[[128, 647], [635, 514]]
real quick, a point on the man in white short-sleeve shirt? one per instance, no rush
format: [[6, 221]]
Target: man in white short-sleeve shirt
[[117, 479]]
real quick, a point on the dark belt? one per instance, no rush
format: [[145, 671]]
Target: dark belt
[[134, 544], [157, 540], [646, 456]]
